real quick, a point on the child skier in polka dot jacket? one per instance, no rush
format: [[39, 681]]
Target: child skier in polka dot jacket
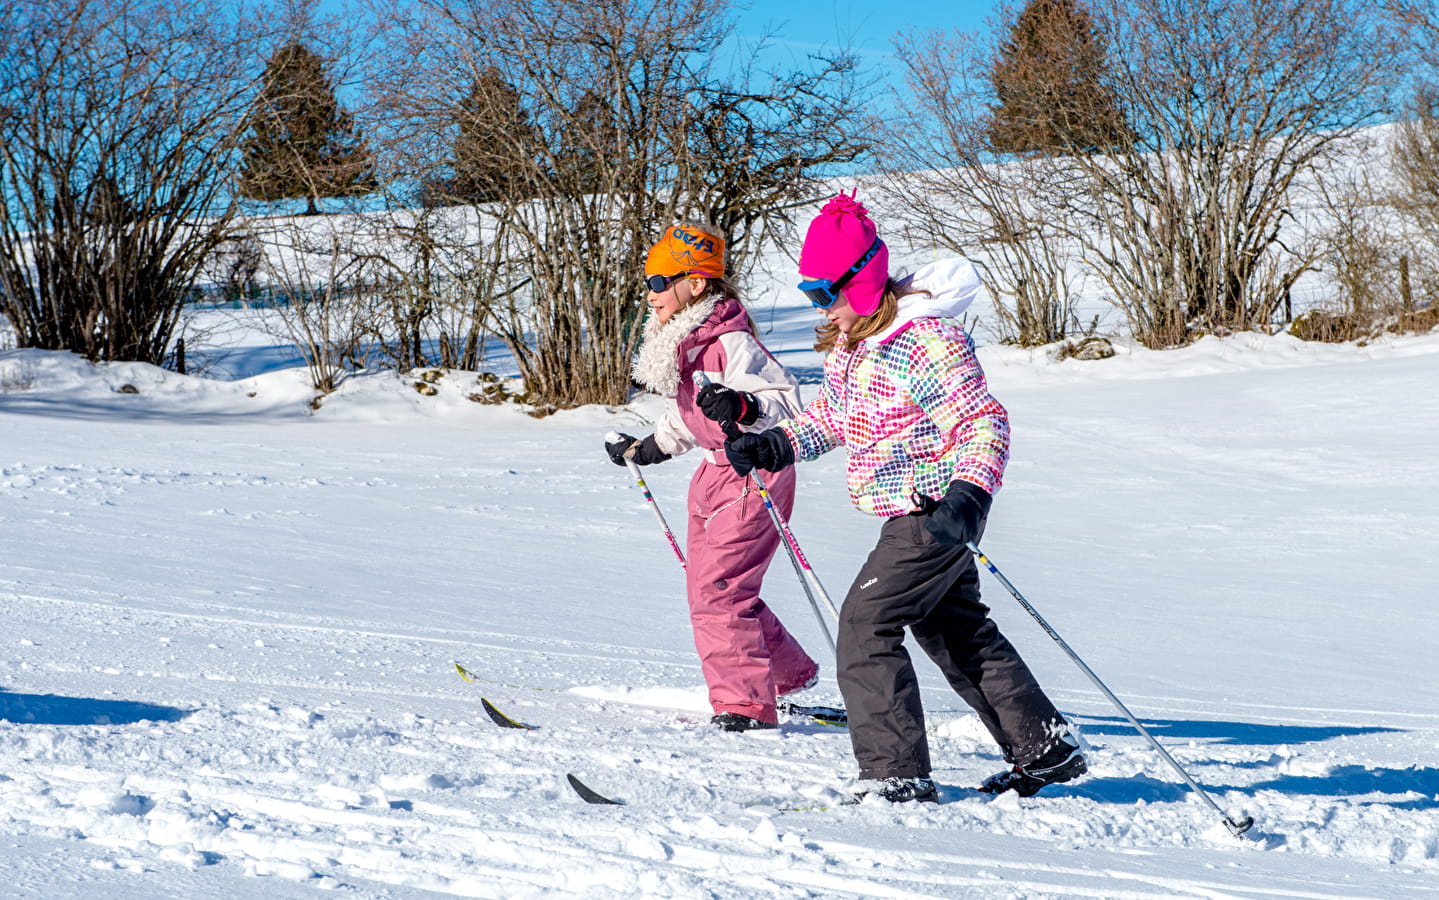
[[904, 393]]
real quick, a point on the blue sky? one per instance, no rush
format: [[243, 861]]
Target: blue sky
[[865, 27]]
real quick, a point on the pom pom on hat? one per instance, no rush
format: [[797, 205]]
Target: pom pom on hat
[[838, 238]]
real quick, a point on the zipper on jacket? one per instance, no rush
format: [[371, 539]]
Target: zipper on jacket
[[848, 366]]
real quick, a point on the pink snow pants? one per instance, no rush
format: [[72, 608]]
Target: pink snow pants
[[745, 652]]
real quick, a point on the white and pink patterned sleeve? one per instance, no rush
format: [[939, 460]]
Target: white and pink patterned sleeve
[[946, 381], [813, 431]]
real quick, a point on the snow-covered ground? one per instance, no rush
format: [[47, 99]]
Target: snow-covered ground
[[230, 623]]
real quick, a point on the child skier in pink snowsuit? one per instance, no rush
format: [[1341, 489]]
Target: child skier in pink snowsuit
[[697, 324]]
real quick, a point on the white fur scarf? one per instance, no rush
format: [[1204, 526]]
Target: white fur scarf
[[657, 365]]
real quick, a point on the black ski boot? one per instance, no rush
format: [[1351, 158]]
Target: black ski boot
[[901, 790], [730, 721], [1061, 762]]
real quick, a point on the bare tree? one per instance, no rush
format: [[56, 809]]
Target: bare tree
[[757, 144], [627, 128], [1190, 219], [118, 126], [1236, 108], [1008, 216]]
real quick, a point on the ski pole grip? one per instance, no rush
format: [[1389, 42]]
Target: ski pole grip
[[615, 436]]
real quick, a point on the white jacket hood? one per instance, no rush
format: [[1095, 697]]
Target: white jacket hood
[[947, 288]]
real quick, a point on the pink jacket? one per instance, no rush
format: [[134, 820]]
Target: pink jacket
[[910, 404], [722, 347]]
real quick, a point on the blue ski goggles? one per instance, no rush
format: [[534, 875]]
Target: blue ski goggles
[[823, 292], [657, 283]]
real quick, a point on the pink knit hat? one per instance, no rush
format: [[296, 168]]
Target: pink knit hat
[[838, 238]]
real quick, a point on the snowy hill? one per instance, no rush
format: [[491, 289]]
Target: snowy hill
[[230, 623]]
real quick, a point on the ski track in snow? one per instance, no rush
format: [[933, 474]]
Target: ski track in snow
[[229, 647], [459, 806]]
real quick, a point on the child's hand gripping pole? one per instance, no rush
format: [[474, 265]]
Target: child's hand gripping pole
[[807, 576]]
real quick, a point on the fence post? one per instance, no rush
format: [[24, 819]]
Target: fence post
[[1406, 295]]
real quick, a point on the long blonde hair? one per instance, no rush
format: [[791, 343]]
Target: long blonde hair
[[827, 335]]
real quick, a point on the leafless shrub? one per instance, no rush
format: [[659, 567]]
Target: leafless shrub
[[955, 194], [118, 124], [16, 375], [1362, 258], [322, 284], [439, 271], [1415, 153], [1379, 247], [601, 124]]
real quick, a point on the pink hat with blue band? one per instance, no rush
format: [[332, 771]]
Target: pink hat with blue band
[[842, 254]]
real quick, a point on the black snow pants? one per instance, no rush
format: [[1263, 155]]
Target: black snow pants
[[912, 581]]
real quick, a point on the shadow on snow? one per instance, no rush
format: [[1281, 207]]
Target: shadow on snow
[[1165, 730], [52, 709], [137, 409], [1411, 787]]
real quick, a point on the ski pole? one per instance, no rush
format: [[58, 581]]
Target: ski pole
[[1236, 826], [796, 558], [802, 568], [612, 437]]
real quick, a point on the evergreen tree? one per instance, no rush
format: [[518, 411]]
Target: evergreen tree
[[302, 142], [1048, 79], [492, 155], [588, 143]]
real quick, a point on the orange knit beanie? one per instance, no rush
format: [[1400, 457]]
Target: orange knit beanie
[[686, 251]]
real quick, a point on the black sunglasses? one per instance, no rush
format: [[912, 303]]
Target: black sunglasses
[[657, 283], [822, 292]]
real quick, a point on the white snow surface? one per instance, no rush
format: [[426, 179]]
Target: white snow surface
[[230, 624]]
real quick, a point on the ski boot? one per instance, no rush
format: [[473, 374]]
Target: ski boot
[[1062, 762], [900, 790], [731, 721]]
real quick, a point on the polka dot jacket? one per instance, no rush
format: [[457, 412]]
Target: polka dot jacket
[[911, 404]]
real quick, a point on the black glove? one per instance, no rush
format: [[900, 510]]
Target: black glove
[[645, 452], [769, 450], [957, 517], [722, 404]]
